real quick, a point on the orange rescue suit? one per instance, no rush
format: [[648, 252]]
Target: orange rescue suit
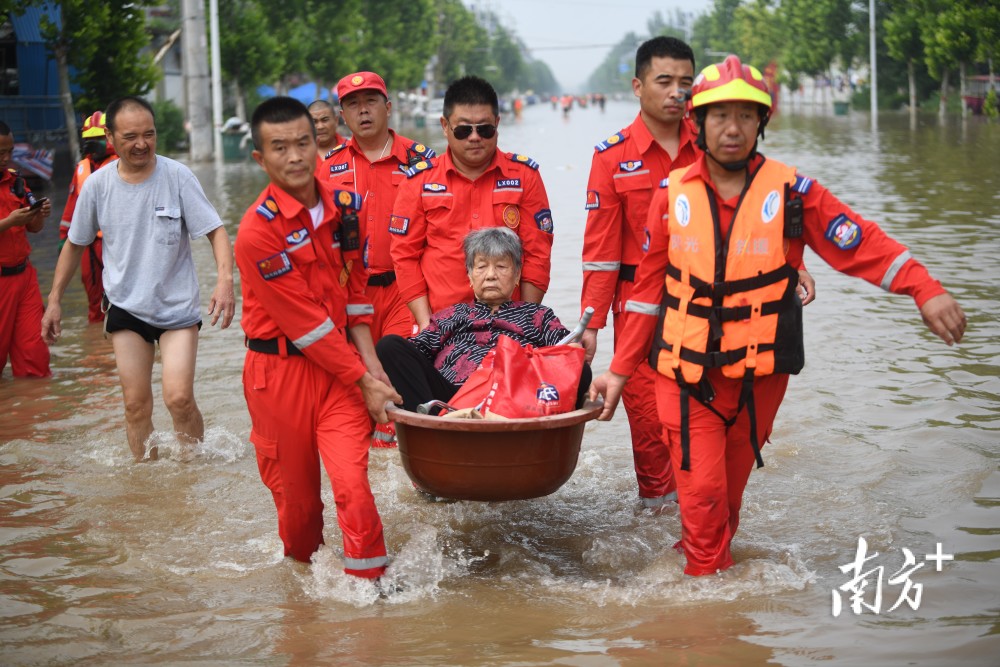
[[730, 301]]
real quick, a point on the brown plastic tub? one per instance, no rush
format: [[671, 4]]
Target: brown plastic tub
[[469, 459]]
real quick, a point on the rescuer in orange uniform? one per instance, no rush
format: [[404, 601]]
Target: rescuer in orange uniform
[[97, 152], [625, 172], [372, 163], [21, 306], [473, 185], [307, 381], [715, 300], [325, 121]]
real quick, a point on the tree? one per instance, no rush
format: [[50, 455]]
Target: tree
[[250, 56], [464, 45], [901, 31], [508, 64], [399, 40], [713, 33], [100, 43], [759, 32], [948, 31], [816, 30], [617, 69]]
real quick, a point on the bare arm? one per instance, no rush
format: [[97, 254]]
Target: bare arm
[[361, 336], [421, 309], [223, 301], [531, 293], [69, 260]]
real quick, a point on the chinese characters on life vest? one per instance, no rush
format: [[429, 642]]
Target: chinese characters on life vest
[[864, 588]]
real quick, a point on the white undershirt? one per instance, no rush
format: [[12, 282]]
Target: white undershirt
[[316, 213]]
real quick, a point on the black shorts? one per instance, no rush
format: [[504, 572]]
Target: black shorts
[[116, 319]]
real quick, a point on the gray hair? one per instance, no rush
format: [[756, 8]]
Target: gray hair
[[493, 243]]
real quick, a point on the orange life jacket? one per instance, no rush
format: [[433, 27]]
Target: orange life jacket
[[730, 302]]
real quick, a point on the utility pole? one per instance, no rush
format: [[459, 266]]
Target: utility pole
[[213, 10], [874, 76], [196, 79]]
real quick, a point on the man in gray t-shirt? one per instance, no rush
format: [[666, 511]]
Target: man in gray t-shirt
[[148, 208]]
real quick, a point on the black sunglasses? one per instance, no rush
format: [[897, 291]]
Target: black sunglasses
[[485, 130]]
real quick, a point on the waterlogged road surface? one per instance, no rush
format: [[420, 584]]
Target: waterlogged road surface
[[887, 435]]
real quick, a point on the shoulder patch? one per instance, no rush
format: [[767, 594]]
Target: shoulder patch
[[524, 159], [593, 200], [268, 209], [665, 183], [336, 149], [423, 165], [274, 266], [423, 149], [613, 140], [802, 184], [347, 199], [843, 232], [399, 225], [544, 220]]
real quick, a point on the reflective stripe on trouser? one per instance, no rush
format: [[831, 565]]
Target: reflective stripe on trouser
[[649, 451], [91, 269], [711, 492], [391, 314], [302, 415], [21, 311]]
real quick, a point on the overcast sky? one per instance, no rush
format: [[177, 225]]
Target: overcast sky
[[574, 36]]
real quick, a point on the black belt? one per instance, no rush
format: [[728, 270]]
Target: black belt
[[627, 273], [13, 270], [272, 346], [382, 279]]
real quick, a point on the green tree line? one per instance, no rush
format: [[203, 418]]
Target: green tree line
[[106, 49], [923, 46]]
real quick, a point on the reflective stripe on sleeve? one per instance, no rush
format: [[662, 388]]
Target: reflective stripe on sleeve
[[602, 266], [365, 563], [890, 273], [642, 307], [314, 335], [65, 223], [360, 309]]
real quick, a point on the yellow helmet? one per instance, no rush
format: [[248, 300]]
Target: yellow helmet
[[93, 126], [732, 81]]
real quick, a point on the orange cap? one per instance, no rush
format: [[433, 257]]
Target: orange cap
[[360, 81]]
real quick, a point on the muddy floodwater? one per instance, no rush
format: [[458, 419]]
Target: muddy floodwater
[[887, 435]]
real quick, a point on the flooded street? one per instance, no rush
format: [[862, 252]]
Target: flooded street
[[887, 435]]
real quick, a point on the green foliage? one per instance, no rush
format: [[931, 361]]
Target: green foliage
[[807, 37], [990, 107], [170, 133], [948, 31], [101, 43], [397, 44], [615, 72], [250, 54], [507, 60], [464, 43], [816, 31]]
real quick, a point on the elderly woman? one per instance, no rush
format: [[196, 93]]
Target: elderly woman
[[436, 362]]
